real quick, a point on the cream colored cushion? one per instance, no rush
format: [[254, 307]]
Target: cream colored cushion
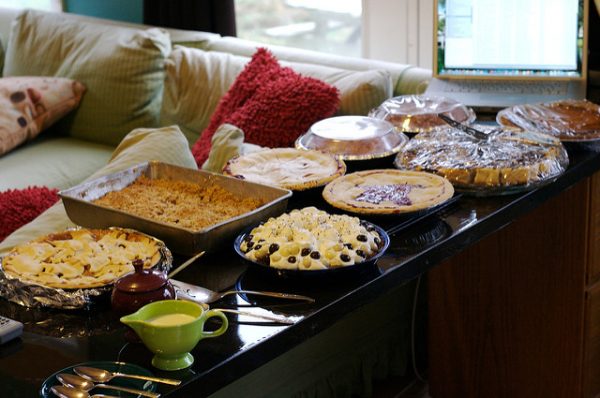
[[226, 143], [122, 68], [165, 145], [196, 80], [60, 162]]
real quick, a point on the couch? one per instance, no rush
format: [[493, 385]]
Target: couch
[[156, 108]]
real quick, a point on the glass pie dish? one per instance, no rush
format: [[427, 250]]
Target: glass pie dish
[[418, 113], [505, 161], [569, 120], [353, 138]]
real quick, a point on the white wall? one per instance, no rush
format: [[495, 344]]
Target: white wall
[[398, 31]]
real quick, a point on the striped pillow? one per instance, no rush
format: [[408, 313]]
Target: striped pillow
[[122, 68]]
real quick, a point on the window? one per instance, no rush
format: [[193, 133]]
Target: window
[[50, 5], [332, 26]]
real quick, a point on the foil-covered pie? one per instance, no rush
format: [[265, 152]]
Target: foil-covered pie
[[311, 239], [569, 120], [418, 113], [81, 258], [287, 168], [505, 158], [387, 191]]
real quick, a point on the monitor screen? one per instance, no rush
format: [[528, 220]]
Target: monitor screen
[[542, 38]]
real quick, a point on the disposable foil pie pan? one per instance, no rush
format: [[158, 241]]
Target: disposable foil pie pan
[[573, 121], [34, 295], [353, 138], [78, 202], [418, 113]]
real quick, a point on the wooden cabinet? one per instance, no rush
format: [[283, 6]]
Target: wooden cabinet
[[518, 314]]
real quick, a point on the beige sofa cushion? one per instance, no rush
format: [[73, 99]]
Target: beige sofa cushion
[[122, 68], [407, 79], [55, 162], [165, 145], [196, 80]]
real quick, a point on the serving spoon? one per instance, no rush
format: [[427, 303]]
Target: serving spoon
[[104, 376], [70, 392], [79, 384], [207, 296]]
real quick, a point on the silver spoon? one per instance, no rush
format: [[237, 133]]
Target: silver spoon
[[70, 392], [104, 376], [203, 295], [81, 384]]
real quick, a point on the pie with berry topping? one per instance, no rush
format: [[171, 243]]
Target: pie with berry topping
[[286, 168], [311, 239], [387, 191], [82, 258]]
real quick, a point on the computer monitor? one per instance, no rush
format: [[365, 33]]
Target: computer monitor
[[522, 39]]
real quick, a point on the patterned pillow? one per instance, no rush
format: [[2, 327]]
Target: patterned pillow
[[271, 104], [29, 105]]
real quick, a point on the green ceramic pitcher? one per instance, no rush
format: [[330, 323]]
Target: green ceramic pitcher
[[172, 328]]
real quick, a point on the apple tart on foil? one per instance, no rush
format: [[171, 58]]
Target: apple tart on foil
[[504, 161], [67, 268]]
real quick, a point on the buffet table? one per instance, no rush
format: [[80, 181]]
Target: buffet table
[[54, 340]]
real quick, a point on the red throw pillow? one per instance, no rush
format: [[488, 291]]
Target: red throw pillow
[[20, 206], [271, 104]]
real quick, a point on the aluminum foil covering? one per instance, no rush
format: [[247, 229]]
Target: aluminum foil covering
[[418, 113], [569, 120], [353, 138], [33, 295], [506, 161]]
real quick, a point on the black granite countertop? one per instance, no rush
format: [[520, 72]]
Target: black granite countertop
[[54, 339]]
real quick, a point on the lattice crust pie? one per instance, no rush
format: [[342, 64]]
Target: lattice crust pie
[[387, 191], [81, 258], [311, 239], [287, 168], [569, 120], [506, 158]]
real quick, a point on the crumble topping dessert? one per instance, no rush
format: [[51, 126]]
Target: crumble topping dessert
[[506, 158], [569, 120], [81, 258], [178, 203], [287, 168], [311, 239], [387, 191]]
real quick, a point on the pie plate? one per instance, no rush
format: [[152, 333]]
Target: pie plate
[[388, 191], [34, 293], [356, 268], [123, 367]]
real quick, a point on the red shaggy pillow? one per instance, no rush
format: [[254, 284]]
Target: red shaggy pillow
[[273, 105], [20, 206]]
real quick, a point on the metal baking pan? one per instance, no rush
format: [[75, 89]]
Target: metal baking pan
[[80, 209]]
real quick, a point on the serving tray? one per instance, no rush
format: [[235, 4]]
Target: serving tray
[[80, 209]]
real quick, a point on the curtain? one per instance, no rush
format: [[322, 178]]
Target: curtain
[[216, 16]]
